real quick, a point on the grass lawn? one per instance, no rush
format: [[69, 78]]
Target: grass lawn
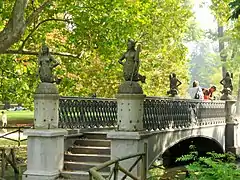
[[20, 117]]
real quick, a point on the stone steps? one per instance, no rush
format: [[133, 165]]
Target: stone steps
[[93, 142], [100, 158], [95, 135], [83, 166], [79, 175], [90, 151]]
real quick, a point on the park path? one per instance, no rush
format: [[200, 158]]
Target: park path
[[13, 135]]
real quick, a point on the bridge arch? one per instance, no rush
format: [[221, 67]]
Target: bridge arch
[[202, 143], [161, 142]]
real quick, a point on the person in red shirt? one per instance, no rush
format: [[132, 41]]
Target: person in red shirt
[[205, 93], [208, 93], [211, 90]]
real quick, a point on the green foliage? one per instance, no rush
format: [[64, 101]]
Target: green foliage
[[222, 10], [17, 79], [235, 6], [212, 167], [97, 31], [204, 65]]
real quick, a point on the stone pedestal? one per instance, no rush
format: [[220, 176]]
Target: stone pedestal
[[232, 136], [127, 139], [45, 154], [45, 149], [128, 143], [230, 108], [46, 102], [130, 112]]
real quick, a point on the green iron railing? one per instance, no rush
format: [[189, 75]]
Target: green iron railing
[[159, 113]]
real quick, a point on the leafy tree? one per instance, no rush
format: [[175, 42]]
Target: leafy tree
[[235, 6], [88, 37], [204, 64]]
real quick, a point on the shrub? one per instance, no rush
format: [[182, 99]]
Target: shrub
[[213, 166]]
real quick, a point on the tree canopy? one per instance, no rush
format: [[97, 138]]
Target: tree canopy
[[88, 37]]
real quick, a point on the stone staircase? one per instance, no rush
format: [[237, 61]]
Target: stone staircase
[[89, 151]]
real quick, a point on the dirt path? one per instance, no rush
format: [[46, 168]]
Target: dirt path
[[13, 135]]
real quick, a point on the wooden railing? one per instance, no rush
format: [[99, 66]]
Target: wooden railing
[[95, 174], [17, 130], [8, 158]]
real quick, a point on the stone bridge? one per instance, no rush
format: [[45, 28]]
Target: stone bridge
[[159, 127], [168, 126]]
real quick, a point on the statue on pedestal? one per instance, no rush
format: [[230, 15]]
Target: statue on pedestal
[[46, 64], [227, 87], [226, 94], [227, 83], [132, 63], [174, 83]]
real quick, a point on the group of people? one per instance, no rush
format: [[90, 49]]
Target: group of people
[[196, 92]]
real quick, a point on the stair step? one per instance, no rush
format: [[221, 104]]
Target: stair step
[[100, 158], [89, 150], [82, 166], [76, 175], [93, 142], [95, 135]]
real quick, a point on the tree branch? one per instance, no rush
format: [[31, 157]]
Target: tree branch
[[33, 53], [35, 28], [32, 16], [16, 25]]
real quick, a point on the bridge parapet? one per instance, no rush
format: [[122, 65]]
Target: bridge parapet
[[163, 114], [77, 112], [159, 113]]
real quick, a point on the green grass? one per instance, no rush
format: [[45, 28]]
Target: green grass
[[20, 117], [6, 142]]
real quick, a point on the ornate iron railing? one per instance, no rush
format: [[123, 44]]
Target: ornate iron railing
[[95, 174], [159, 113], [75, 112]]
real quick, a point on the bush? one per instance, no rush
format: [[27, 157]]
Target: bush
[[212, 167]]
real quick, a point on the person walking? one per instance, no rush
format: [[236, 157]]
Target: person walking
[[4, 119]]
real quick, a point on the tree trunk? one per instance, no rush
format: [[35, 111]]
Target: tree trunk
[[15, 27], [238, 98], [223, 56], [17, 24]]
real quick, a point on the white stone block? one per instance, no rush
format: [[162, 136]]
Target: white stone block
[[128, 143], [45, 153], [46, 110], [46, 103], [130, 111]]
